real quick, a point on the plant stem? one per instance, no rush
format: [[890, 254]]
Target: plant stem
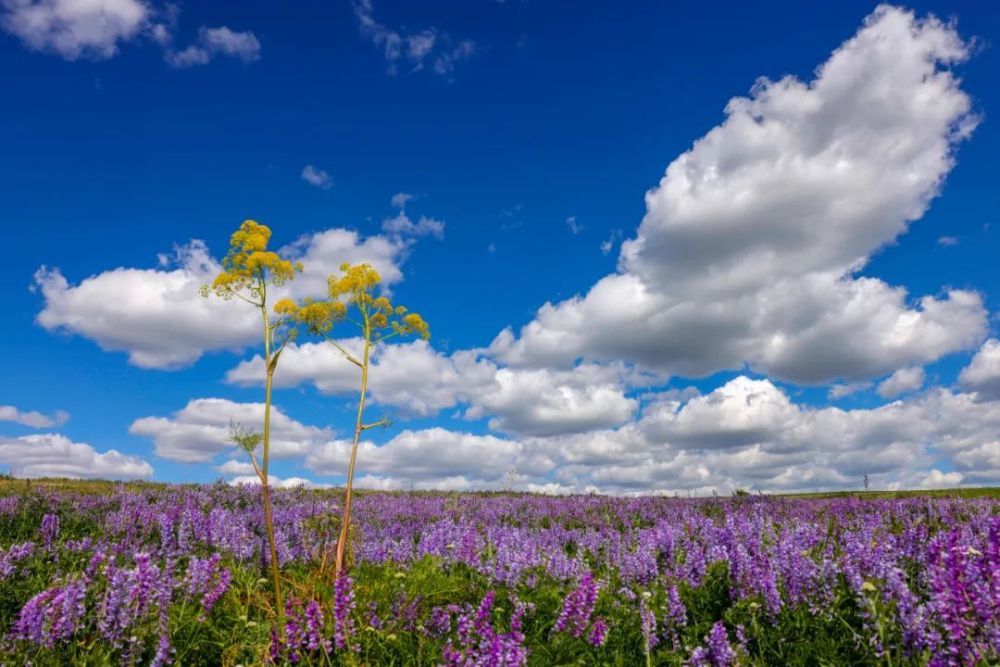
[[264, 483], [345, 523]]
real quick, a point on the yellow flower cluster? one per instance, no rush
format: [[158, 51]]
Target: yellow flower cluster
[[249, 265], [354, 289], [318, 317]]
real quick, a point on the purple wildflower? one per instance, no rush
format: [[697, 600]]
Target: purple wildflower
[[479, 643], [343, 607], [49, 530], [578, 607], [598, 632]]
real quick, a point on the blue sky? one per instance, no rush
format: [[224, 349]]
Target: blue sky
[[533, 134]]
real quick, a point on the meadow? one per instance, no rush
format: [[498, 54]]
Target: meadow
[[96, 573]]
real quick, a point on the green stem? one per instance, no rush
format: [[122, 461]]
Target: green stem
[[345, 523], [264, 481]]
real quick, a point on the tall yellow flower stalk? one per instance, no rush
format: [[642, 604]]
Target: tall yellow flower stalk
[[351, 298], [248, 270]]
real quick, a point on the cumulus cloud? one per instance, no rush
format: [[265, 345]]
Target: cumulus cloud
[[417, 50], [214, 42], [752, 243], [34, 419], [426, 455], [76, 29], [422, 381], [158, 317], [982, 375], [902, 381], [746, 433], [201, 430], [545, 402], [54, 455], [96, 30], [317, 177]]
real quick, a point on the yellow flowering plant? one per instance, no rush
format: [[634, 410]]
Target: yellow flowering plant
[[249, 269], [352, 299]]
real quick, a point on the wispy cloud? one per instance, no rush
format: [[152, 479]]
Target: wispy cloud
[[608, 245], [213, 42], [317, 177], [429, 47]]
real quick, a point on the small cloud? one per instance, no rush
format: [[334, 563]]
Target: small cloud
[[609, 244], [316, 176], [491, 248], [948, 241], [403, 225], [400, 199], [445, 62], [33, 419], [426, 46], [216, 41], [573, 225], [841, 390], [74, 30], [902, 381]]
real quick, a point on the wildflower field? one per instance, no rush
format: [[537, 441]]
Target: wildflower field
[[137, 574]]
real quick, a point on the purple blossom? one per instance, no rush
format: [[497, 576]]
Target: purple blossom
[[14, 555], [481, 645], [343, 608], [49, 530], [52, 616], [598, 632], [578, 606], [717, 653]]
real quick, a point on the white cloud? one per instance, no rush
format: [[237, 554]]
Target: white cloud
[[608, 245], [411, 375], [213, 42], [278, 482], [935, 479], [402, 225], [838, 391], [574, 226], [902, 381], [159, 317], [32, 418], [317, 177], [422, 381], [982, 375], [322, 254], [200, 431], [426, 455], [96, 30], [75, 28], [401, 199], [54, 455], [417, 49], [751, 245], [234, 467], [948, 241], [546, 402]]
